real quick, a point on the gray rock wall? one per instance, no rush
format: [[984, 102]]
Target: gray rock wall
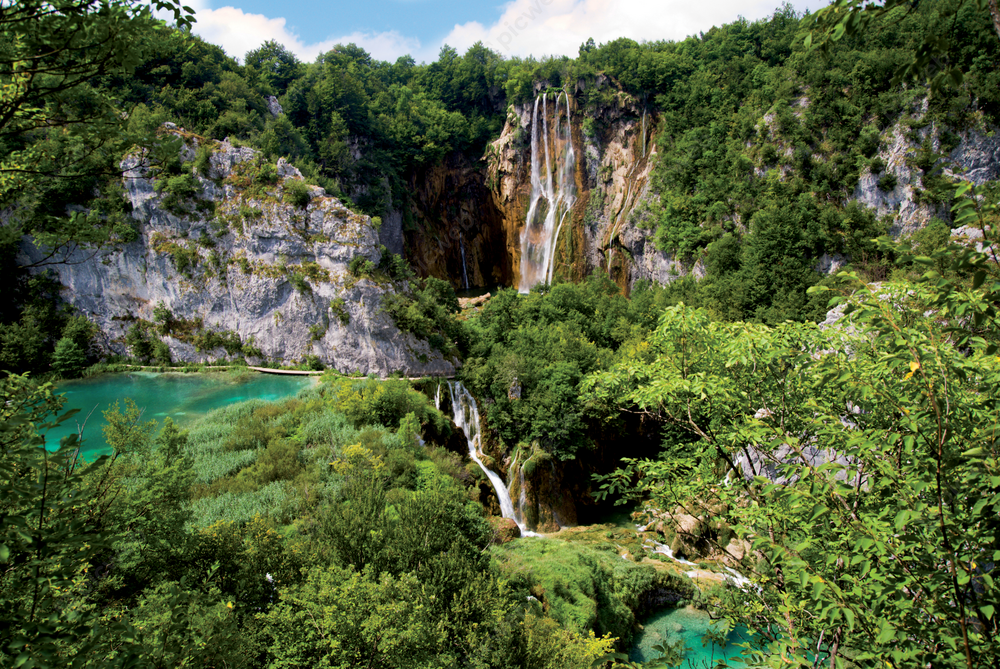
[[273, 273]]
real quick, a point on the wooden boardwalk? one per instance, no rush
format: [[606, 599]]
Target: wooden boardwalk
[[296, 372], [290, 372], [263, 370]]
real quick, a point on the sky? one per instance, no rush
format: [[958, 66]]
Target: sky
[[388, 29]]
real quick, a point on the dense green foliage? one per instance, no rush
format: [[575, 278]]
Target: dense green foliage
[[312, 531], [861, 463], [761, 141], [529, 355], [318, 531]]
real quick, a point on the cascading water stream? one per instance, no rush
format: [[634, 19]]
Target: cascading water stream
[[644, 132], [552, 192], [465, 274], [465, 413]]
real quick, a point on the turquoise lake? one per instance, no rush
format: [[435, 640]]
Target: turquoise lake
[[688, 625], [182, 397]]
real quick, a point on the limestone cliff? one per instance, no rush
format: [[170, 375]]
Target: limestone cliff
[[974, 155], [454, 231], [907, 181], [615, 154], [241, 256]]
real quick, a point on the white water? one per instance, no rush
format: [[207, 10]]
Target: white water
[[465, 274], [465, 413], [644, 133], [552, 191], [664, 549], [741, 581]]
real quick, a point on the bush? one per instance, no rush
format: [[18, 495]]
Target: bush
[[203, 160], [296, 193], [337, 306], [360, 267], [887, 182]]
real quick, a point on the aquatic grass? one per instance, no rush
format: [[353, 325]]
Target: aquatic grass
[[271, 500], [213, 465], [208, 439], [330, 428]]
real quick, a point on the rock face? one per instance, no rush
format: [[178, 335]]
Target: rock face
[[615, 155], [456, 232], [975, 157], [254, 262]]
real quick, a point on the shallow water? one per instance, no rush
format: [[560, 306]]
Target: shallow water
[[182, 397], [688, 625]]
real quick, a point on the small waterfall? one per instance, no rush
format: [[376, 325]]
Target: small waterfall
[[522, 498], [553, 191], [437, 397], [465, 413], [644, 132], [465, 274]]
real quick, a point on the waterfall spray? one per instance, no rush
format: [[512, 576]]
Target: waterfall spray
[[552, 192]]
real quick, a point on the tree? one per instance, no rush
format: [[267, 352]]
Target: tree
[[275, 65], [68, 358], [59, 129], [930, 60], [858, 464], [48, 540]]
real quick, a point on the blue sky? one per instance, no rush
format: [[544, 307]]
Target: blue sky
[[391, 28]]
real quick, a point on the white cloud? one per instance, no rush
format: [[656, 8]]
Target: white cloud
[[526, 27], [559, 27], [238, 32]]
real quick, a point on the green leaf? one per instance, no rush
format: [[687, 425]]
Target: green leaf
[[987, 610]]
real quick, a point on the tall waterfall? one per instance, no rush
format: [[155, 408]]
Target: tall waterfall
[[465, 413], [553, 191]]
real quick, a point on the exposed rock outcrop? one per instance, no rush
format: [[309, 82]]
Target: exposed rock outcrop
[[616, 153], [249, 255], [975, 158], [456, 232]]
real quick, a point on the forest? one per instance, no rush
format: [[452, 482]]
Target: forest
[[848, 470]]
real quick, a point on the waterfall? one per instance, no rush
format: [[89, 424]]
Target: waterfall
[[465, 274], [644, 132], [465, 413], [553, 191], [522, 497], [437, 397]]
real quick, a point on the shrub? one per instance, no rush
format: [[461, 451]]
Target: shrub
[[887, 182], [203, 160], [339, 309], [360, 267], [299, 282], [296, 193], [178, 189]]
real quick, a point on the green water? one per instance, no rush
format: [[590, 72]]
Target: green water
[[688, 625], [182, 397]]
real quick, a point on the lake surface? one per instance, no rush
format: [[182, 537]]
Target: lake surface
[[182, 397], [688, 625]]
